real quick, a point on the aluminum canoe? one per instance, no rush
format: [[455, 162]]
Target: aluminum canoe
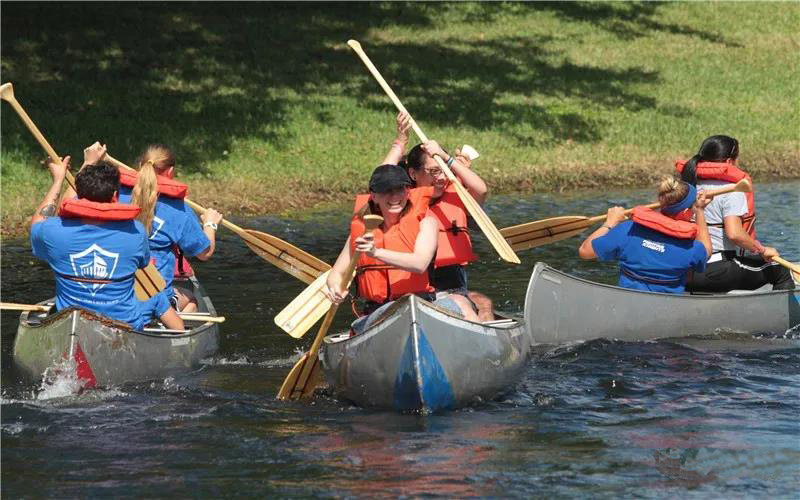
[[563, 308], [420, 358], [103, 352]]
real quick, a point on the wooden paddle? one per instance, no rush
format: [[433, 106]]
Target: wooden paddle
[[304, 375], [300, 264], [791, 266], [46, 308], [473, 207], [541, 232], [307, 308], [147, 281]]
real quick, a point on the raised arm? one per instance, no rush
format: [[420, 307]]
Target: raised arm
[[91, 155], [395, 153], [48, 207]]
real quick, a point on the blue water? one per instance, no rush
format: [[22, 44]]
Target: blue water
[[709, 417]]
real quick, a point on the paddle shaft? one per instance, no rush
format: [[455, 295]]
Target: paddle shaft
[[7, 94], [473, 207]]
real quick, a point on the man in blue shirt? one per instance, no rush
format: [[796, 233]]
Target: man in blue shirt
[[94, 247]]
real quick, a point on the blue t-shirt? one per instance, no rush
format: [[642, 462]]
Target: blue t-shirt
[[174, 222], [109, 251], [647, 253]]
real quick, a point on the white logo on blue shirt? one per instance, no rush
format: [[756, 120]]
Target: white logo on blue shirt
[[94, 263], [157, 224], [652, 245]]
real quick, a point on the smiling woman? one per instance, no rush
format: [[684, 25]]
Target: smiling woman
[[395, 257]]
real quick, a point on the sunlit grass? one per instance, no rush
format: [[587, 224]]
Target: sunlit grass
[[268, 110]]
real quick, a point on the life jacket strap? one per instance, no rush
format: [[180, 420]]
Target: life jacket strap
[[80, 279]]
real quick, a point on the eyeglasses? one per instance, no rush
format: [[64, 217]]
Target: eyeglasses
[[434, 172]]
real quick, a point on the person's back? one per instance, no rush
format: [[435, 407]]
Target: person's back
[[93, 247], [94, 263]]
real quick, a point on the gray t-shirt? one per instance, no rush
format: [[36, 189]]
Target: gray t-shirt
[[724, 205]]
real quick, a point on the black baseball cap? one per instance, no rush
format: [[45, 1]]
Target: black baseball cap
[[388, 177]]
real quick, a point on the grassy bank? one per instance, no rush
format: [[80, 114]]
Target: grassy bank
[[269, 111]]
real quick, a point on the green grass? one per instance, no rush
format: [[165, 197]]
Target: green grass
[[269, 111]]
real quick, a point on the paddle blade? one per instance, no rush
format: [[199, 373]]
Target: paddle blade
[[147, 282], [286, 256], [306, 309], [487, 226], [295, 382], [542, 232]]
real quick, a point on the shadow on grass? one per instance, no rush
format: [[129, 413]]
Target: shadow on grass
[[199, 76]]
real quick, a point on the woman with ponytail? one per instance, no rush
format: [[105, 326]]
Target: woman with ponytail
[[657, 248], [739, 261], [169, 222]]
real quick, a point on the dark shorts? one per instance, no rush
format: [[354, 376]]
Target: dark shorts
[[451, 279]]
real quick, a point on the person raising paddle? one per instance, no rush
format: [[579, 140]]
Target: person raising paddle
[[739, 261], [395, 257], [449, 274], [656, 249]]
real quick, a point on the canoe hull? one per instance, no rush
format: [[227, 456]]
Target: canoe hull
[[419, 358], [563, 308], [104, 352]]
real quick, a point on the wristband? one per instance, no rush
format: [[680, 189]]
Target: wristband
[[450, 161], [607, 227], [212, 225]]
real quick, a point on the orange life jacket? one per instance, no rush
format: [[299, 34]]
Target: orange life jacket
[[724, 171], [166, 186], [657, 221], [80, 207], [380, 282], [455, 245]]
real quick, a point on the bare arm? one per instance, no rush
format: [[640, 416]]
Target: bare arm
[[171, 320], [700, 219], [614, 216], [91, 155], [210, 216], [414, 262], [395, 153], [333, 288], [48, 207], [732, 225]]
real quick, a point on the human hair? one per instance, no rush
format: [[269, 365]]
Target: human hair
[[671, 190], [415, 159], [97, 182], [716, 148], [155, 160]]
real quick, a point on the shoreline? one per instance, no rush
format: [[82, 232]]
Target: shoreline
[[242, 197]]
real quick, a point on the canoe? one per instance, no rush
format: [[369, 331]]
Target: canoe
[[102, 352], [563, 308], [420, 358]]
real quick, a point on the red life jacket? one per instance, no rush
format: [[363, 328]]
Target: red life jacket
[[380, 282], [166, 186], [455, 245], [724, 171], [79, 207], [657, 221]]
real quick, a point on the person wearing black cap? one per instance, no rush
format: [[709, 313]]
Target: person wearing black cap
[[395, 257]]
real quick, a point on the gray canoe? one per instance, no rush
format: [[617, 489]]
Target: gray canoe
[[104, 352], [563, 308], [420, 358]]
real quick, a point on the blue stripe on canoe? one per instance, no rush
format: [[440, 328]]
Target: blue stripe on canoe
[[436, 391]]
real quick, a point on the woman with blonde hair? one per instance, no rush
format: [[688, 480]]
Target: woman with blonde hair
[[171, 224], [656, 249]]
